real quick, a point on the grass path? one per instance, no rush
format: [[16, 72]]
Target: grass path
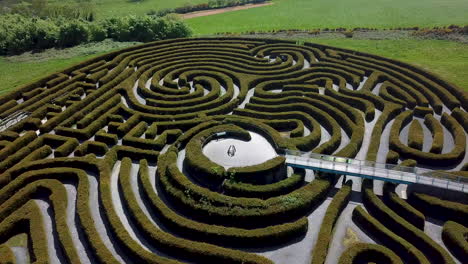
[[446, 58]]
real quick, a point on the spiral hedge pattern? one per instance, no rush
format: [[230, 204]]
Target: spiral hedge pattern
[[107, 163]]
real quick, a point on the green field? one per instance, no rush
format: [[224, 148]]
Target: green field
[[307, 14], [111, 8], [445, 58]]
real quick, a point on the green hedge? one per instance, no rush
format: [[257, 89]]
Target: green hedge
[[171, 245], [389, 112], [63, 169], [420, 111], [325, 235], [437, 133], [369, 253], [199, 166], [216, 234], [91, 147], [239, 189], [402, 227], [215, 208], [462, 117], [104, 137], [267, 172], [408, 252], [56, 191], [7, 254], [445, 159], [439, 208], [454, 236], [404, 209], [415, 135]]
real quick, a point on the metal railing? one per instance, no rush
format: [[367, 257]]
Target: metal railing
[[13, 119], [384, 171]]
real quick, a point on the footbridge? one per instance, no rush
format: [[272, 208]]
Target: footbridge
[[373, 170], [13, 119]]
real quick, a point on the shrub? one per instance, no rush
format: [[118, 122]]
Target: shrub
[[72, 33], [97, 32], [145, 28], [21, 33]]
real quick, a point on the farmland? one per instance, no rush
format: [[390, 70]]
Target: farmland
[[304, 14]]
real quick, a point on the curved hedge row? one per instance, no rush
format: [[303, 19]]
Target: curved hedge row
[[454, 236], [325, 235], [439, 208], [366, 253], [445, 159], [403, 228], [265, 191], [216, 234]]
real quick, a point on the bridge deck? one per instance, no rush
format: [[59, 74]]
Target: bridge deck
[[372, 170]]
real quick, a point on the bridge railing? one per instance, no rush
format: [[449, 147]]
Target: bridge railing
[[392, 170], [13, 119]]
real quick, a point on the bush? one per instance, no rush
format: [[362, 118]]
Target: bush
[[97, 32], [145, 28], [21, 33], [72, 34]]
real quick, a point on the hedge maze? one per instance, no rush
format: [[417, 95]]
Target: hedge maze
[[104, 162]]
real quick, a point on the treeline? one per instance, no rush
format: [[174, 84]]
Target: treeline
[[70, 9], [212, 4], [20, 33]]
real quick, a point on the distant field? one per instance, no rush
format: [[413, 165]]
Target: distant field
[[307, 14], [445, 58], [109, 8]]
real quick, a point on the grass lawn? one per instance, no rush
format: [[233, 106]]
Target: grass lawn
[[446, 58], [308, 14]]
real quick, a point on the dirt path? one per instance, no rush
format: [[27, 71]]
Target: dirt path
[[221, 10]]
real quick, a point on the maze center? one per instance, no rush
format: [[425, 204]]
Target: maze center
[[231, 152], [234, 150]]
